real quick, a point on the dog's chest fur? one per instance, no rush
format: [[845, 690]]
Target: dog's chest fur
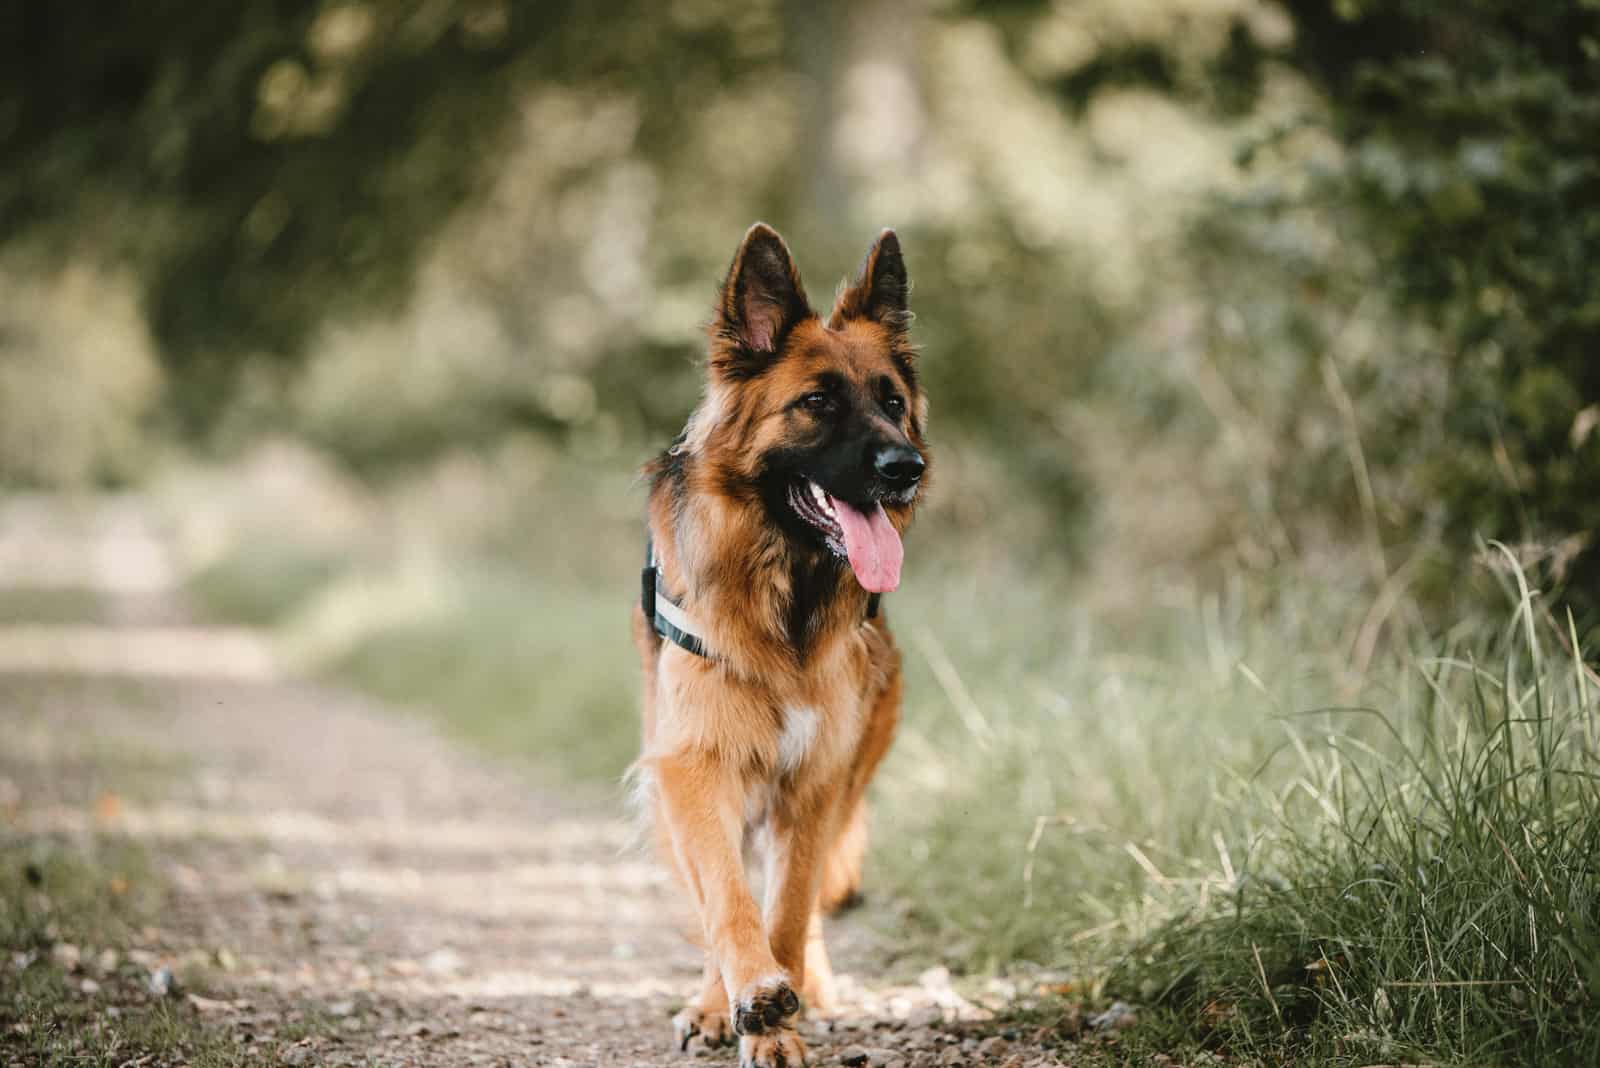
[[800, 723], [785, 735]]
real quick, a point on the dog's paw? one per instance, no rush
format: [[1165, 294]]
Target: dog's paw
[[765, 1004], [777, 1047], [711, 1029]]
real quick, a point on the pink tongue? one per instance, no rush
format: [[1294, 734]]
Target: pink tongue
[[872, 544]]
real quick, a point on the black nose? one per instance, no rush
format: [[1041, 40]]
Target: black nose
[[898, 465]]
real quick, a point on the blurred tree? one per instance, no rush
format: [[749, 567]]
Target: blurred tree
[[265, 165], [1471, 131], [1469, 172]]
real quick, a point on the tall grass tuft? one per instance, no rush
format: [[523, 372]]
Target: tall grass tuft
[[1267, 868]]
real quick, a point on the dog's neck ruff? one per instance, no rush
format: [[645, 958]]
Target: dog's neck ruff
[[667, 617]]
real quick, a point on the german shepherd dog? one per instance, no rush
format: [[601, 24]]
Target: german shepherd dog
[[775, 521]]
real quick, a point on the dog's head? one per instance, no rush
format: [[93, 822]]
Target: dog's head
[[820, 421]]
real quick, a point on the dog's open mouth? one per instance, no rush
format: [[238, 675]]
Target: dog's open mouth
[[866, 538]]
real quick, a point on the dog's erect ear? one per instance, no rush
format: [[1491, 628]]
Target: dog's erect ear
[[762, 298], [880, 288]]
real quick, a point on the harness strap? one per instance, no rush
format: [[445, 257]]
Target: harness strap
[[667, 617]]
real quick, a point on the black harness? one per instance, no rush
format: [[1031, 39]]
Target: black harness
[[667, 617]]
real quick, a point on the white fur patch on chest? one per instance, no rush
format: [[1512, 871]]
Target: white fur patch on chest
[[799, 734]]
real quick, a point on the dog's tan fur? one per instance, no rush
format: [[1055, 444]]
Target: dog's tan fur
[[777, 733]]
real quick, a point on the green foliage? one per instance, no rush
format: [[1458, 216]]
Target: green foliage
[[264, 586], [528, 671], [1470, 133], [1458, 211], [265, 168], [79, 377]]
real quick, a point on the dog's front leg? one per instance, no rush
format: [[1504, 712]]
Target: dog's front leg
[[703, 806], [794, 871]]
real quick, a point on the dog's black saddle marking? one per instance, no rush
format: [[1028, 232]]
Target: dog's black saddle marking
[[667, 617]]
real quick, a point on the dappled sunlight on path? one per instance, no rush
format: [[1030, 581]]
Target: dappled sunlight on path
[[330, 859]]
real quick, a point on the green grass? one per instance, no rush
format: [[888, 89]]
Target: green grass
[[74, 907], [1213, 816], [85, 897], [530, 670], [264, 584], [1267, 864], [52, 891], [49, 604]]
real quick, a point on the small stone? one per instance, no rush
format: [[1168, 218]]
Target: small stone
[[854, 1057], [206, 1005], [341, 1009], [443, 961], [162, 982], [66, 956], [89, 986], [1119, 1016], [992, 1047]]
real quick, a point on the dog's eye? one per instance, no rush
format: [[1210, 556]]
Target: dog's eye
[[816, 402], [895, 407]]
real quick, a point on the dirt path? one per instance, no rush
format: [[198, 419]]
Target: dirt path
[[349, 887]]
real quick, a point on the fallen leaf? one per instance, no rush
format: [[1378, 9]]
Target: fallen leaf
[[210, 1005]]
